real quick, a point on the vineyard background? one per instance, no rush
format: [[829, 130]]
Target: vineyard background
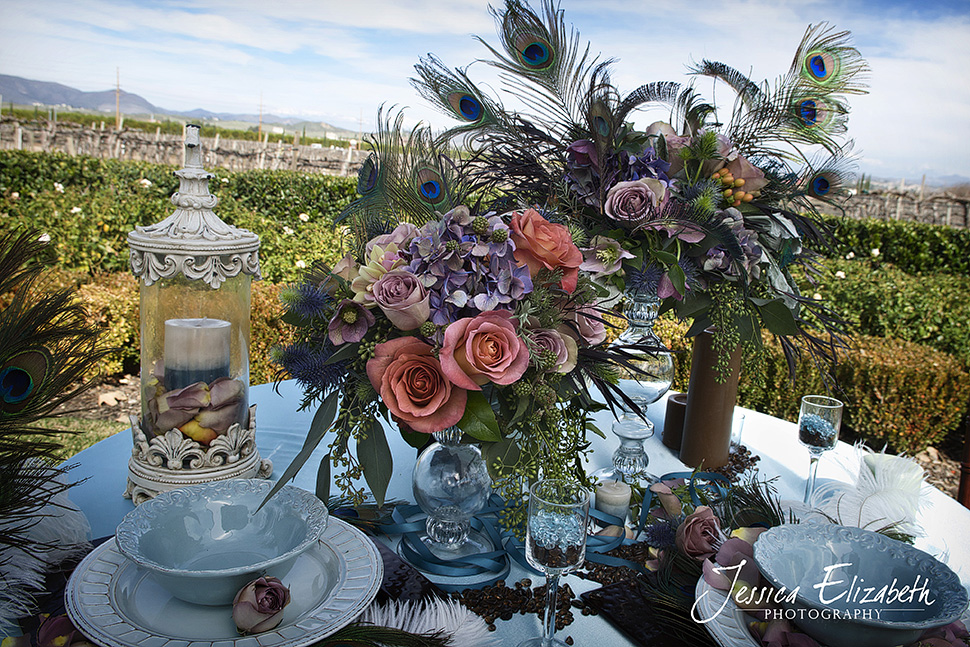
[[943, 208]]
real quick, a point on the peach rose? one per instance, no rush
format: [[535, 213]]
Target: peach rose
[[484, 349], [541, 244], [413, 386]]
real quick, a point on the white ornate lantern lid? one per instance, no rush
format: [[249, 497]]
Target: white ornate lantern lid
[[193, 241]]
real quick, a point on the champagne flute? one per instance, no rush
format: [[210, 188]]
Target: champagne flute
[[555, 542], [818, 429]]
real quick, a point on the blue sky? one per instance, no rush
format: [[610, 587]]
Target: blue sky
[[338, 61]]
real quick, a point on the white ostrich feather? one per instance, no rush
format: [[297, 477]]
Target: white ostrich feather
[[885, 493], [464, 628]]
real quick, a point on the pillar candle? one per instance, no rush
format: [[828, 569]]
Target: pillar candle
[[196, 350], [613, 497]]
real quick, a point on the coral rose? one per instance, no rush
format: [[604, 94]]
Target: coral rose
[[541, 244], [484, 349], [413, 387]]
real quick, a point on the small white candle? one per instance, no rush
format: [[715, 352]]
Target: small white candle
[[196, 350], [613, 497]]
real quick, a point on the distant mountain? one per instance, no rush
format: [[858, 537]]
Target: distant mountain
[[28, 92]]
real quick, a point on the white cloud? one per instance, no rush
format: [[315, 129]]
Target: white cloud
[[338, 61]]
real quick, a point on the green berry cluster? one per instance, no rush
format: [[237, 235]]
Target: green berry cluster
[[480, 225], [499, 235], [428, 329], [522, 389]]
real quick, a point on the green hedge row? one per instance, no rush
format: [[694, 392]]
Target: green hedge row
[[880, 300], [913, 247], [88, 206]]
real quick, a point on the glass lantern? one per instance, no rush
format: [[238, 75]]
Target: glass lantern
[[195, 275]]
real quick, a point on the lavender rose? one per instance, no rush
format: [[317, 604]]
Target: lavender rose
[[403, 299], [586, 324], [401, 236], [635, 201], [699, 536], [561, 344], [259, 605]]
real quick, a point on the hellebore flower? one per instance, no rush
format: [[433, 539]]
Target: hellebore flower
[[349, 323]]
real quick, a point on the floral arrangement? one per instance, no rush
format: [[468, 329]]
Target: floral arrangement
[[474, 319], [476, 287], [716, 215]]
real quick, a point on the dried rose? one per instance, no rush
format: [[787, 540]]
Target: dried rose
[[700, 534], [259, 605], [177, 407]]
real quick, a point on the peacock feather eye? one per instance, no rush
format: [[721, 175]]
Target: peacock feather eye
[[534, 51], [368, 174], [431, 188], [821, 66], [20, 376], [601, 126], [465, 105], [823, 183], [15, 384], [808, 112]]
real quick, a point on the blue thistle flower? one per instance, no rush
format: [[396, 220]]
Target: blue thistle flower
[[645, 279], [307, 363], [661, 534], [307, 300]]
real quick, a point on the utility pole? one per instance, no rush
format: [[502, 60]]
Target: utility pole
[[259, 131], [117, 98]]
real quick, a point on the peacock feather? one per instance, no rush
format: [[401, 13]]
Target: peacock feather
[[408, 177], [453, 93], [46, 348]]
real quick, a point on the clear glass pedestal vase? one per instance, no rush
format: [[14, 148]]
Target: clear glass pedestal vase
[[451, 484], [644, 359]]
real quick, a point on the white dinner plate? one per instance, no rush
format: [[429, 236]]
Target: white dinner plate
[[728, 625], [116, 603]]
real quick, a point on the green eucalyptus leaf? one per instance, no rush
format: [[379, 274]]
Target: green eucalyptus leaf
[[506, 452], [479, 420], [665, 257], [778, 318], [343, 352], [678, 278], [376, 460], [322, 421], [323, 479]]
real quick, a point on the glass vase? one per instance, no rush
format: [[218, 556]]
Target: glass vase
[[644, 359], [451, 484]]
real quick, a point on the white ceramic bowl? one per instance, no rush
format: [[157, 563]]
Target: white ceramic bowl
[[205, 542], [858, 588]]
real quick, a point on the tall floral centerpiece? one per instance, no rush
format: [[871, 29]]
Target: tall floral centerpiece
[[475, 292], [450, 318]]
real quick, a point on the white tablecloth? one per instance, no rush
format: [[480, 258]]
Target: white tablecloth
[[281, 430]]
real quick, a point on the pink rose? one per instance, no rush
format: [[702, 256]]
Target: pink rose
[[413, 386], [635, 201], [259, 605], [483, 349], [587, 324], [700, 534], [403, 299], [540, 244]]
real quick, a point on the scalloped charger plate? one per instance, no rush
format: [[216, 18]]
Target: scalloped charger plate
[[116, 603], [727, 625]]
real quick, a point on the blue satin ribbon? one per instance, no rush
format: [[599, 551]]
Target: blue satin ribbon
[[713, 486], [409, 522]]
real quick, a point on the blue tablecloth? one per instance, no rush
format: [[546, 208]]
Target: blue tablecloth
[[281, 430]]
